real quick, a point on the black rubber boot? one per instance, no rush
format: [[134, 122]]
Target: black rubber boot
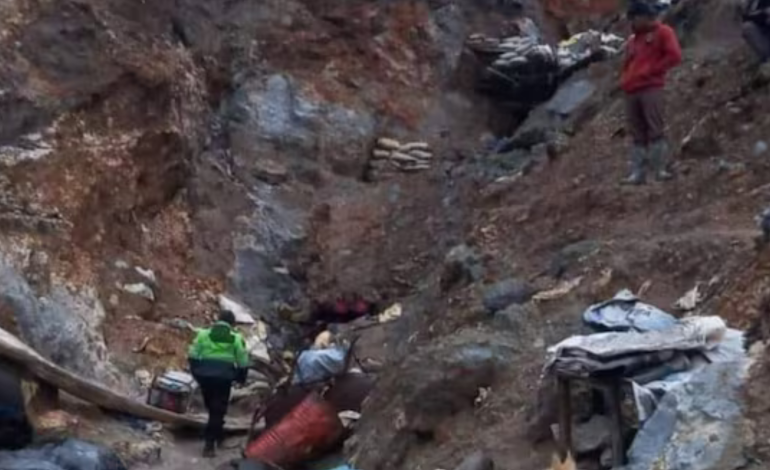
[[209, 450], [659, 160], [637, 176]]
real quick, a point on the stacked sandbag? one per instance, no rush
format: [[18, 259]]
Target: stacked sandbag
[[583, 46], [481, 42], [389, 156], [521, 53]]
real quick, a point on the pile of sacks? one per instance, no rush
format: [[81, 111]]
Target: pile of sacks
[[584, 46], [389, 155], [522, 54]]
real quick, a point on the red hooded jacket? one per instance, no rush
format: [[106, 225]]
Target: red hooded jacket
[[649, 57]]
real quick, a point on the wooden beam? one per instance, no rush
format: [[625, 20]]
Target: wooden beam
[[46, 371], [614, 398], [565, 417]]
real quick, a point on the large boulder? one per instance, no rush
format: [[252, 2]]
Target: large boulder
[[502, 294], [62, 324], [698, 425], [416, 398]]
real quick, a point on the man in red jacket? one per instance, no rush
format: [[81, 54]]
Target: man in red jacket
[[651, 52]]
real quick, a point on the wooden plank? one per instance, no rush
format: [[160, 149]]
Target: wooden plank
[[565, 417], [614, 397], [33, 363]]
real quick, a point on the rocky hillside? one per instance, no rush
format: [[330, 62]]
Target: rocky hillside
[[157, 154], [218, 147]]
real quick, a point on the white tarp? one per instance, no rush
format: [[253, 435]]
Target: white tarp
[[706, 339], [625, 312], [694, 333]]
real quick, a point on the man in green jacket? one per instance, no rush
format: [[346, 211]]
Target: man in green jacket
[[217, 358]]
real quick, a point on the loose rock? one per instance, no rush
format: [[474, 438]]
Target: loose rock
[[509, 319], [68, 455], [477, 461], [760, 148], [141, 289], [242, 313], [507, 292], [461, 266], [592, 435]]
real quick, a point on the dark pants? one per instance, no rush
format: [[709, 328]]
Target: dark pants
[[644, 111], [216, 397], [757, 35]]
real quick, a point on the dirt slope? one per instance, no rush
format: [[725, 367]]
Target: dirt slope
[[698, 228]]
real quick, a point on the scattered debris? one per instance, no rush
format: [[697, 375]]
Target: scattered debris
[[249, 390], [482, 396], [349, 417], [644, 288], [179, 324], [144, 377], [146, 452], [141, 289], [559, 291], [477, 461], [242, 313], [393, 312], [55, 424], [148, 274], [323, 340], [690, 301]]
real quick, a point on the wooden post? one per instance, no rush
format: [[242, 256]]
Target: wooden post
[[616, 418], [565, 417]]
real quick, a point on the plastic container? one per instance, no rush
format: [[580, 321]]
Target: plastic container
[[310, 428], [172, 391]]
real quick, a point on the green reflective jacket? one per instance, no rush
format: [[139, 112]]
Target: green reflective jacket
[[220, 343]]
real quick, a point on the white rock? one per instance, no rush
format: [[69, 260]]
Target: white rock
[[148, 274], [120, 264], [256, 342], [242, 313], [140, 289]]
